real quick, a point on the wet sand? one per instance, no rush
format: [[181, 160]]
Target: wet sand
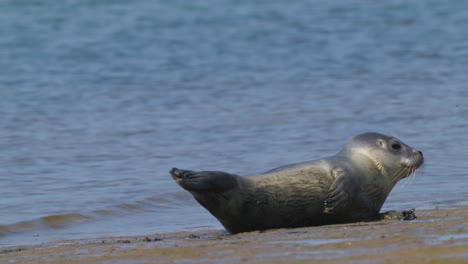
[[436, 236]]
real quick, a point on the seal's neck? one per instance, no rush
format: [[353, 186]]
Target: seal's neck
[[376, 184], [367, 163]]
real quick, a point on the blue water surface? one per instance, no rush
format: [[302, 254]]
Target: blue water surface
[[99, 99]]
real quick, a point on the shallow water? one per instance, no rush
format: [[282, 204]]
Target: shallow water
[[100, 100]]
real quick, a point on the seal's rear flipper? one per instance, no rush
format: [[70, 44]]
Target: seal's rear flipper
[[204, 181]]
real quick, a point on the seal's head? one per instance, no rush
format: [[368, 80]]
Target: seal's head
[[392, 157]]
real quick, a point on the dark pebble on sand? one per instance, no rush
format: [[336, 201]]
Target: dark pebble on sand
[[6, 251], [408, 215], [147, 239]]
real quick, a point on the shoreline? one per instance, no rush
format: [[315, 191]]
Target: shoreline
[[436, 236]]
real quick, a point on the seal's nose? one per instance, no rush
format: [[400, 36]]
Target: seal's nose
[[422, 156], [418, 151]]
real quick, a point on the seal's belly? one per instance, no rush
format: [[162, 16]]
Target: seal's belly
[[285, 200]]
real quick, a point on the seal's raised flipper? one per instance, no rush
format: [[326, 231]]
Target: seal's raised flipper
[[204, 181], [341, 193]]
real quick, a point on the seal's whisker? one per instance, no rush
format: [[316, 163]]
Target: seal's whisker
[[394, 178], [411, 176], [399, 171], [406, 171], [381, 168], [414, 174], [398, 174]]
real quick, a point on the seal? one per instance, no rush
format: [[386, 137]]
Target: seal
[[350, 186]]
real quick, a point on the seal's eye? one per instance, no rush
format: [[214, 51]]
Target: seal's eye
[[396, 146]]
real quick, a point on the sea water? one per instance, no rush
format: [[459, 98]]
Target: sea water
[[99, 99]]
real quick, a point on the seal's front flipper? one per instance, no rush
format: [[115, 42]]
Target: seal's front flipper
[[342, 192], [204, 181], [400, 215]]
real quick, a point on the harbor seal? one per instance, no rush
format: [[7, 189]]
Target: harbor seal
[[350, 186]]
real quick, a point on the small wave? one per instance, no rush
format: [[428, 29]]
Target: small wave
[[171, 199], [131, 207], [50, 221], [158, 203], [106, 212], [59, 221], [3, 230]]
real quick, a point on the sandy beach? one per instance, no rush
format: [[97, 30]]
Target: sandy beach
[[436, 236]]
